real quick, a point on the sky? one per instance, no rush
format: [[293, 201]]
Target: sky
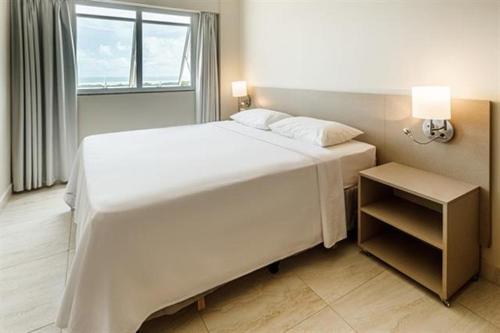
[[104, 48]]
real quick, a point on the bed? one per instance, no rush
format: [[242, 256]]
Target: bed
[[166, 214]]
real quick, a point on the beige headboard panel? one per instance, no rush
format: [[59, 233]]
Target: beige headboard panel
[[382, 118]]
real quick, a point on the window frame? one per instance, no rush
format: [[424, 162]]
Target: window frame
[[193, 28]]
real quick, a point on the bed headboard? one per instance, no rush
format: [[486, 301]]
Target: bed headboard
[[383, 117]]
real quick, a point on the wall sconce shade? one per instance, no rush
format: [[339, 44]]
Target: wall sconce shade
[[431, 103], [239, 89]]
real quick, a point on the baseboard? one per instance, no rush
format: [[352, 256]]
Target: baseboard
[[490, 272], [4, 197]]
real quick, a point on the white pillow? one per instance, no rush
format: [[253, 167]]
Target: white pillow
[[259, 118], [316, 131]]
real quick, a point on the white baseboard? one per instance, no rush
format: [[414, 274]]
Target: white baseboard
[[4, 197]]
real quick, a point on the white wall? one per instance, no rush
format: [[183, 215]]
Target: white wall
[[4, 98], [230, 69], [371, 46], [100, 114], [113, 113], [383, 46]]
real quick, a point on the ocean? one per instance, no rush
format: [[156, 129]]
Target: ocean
[[97, 82]]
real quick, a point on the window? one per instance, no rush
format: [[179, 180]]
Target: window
[[127, 48]]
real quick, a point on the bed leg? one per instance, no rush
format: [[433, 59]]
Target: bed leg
[[274, 268], [201, 304]]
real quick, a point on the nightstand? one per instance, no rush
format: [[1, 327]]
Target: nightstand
[[422, 224]]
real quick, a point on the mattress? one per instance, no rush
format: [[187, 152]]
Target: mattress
[[166, 214]]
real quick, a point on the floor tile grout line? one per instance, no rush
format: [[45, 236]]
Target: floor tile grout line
[[203, 321], [477, 314], [329, 305], [326, 302], [303, 320], [311, 288], [39, 328], [359, 286], [34, 260], [342, 317]]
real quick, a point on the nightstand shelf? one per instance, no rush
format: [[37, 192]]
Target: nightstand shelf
[[422, 224], [418, 221], [409, 256]]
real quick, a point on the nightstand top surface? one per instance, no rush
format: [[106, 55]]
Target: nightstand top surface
[[425, 184]]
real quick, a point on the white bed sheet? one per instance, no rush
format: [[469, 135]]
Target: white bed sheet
[[166, 214], [355, 156]]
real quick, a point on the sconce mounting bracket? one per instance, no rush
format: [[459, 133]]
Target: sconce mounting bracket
[[438, 130]]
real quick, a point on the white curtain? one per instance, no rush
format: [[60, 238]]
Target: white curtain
[[207, 72], [44, 113]]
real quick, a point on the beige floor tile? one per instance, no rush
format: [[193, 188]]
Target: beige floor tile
[[24, 242], [48, 329], [392, 303], [30, 293], [483, 298], [433, 317], [325, 321], [333, 273], [379, 304], [187, 320], [260, 302], [34, 206], [35, 196]]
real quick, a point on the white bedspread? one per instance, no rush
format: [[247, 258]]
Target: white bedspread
[[166, 214]]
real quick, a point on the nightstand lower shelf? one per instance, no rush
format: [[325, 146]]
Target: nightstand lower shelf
[[409, 256]]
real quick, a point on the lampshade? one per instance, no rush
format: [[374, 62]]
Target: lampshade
[[240, 89], [431, 102]]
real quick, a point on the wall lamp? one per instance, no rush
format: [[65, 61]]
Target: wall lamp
[[240, 91], [433, 104]]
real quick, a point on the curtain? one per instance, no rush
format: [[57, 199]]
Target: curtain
[[44, 113], [207, 72]]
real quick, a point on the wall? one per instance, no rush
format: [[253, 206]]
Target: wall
[[100, 114], [384, 46], [114, 113], [4, 99], [229, 54]]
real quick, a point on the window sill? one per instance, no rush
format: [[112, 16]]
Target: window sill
[[124, 91]]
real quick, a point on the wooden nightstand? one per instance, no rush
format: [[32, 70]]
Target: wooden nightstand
[[422, 224]]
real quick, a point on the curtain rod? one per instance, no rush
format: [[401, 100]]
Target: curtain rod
[[146, 5]]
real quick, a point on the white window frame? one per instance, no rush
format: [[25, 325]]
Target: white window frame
[[138, 45]]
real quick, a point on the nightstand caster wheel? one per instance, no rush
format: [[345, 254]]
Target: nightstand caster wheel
[[446, 303], [274, 268]]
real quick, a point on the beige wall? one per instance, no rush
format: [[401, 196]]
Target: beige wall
[[4, 98], [379, 46], [100, 114]]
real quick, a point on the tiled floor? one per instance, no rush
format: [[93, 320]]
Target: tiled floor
[[337, 290]]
